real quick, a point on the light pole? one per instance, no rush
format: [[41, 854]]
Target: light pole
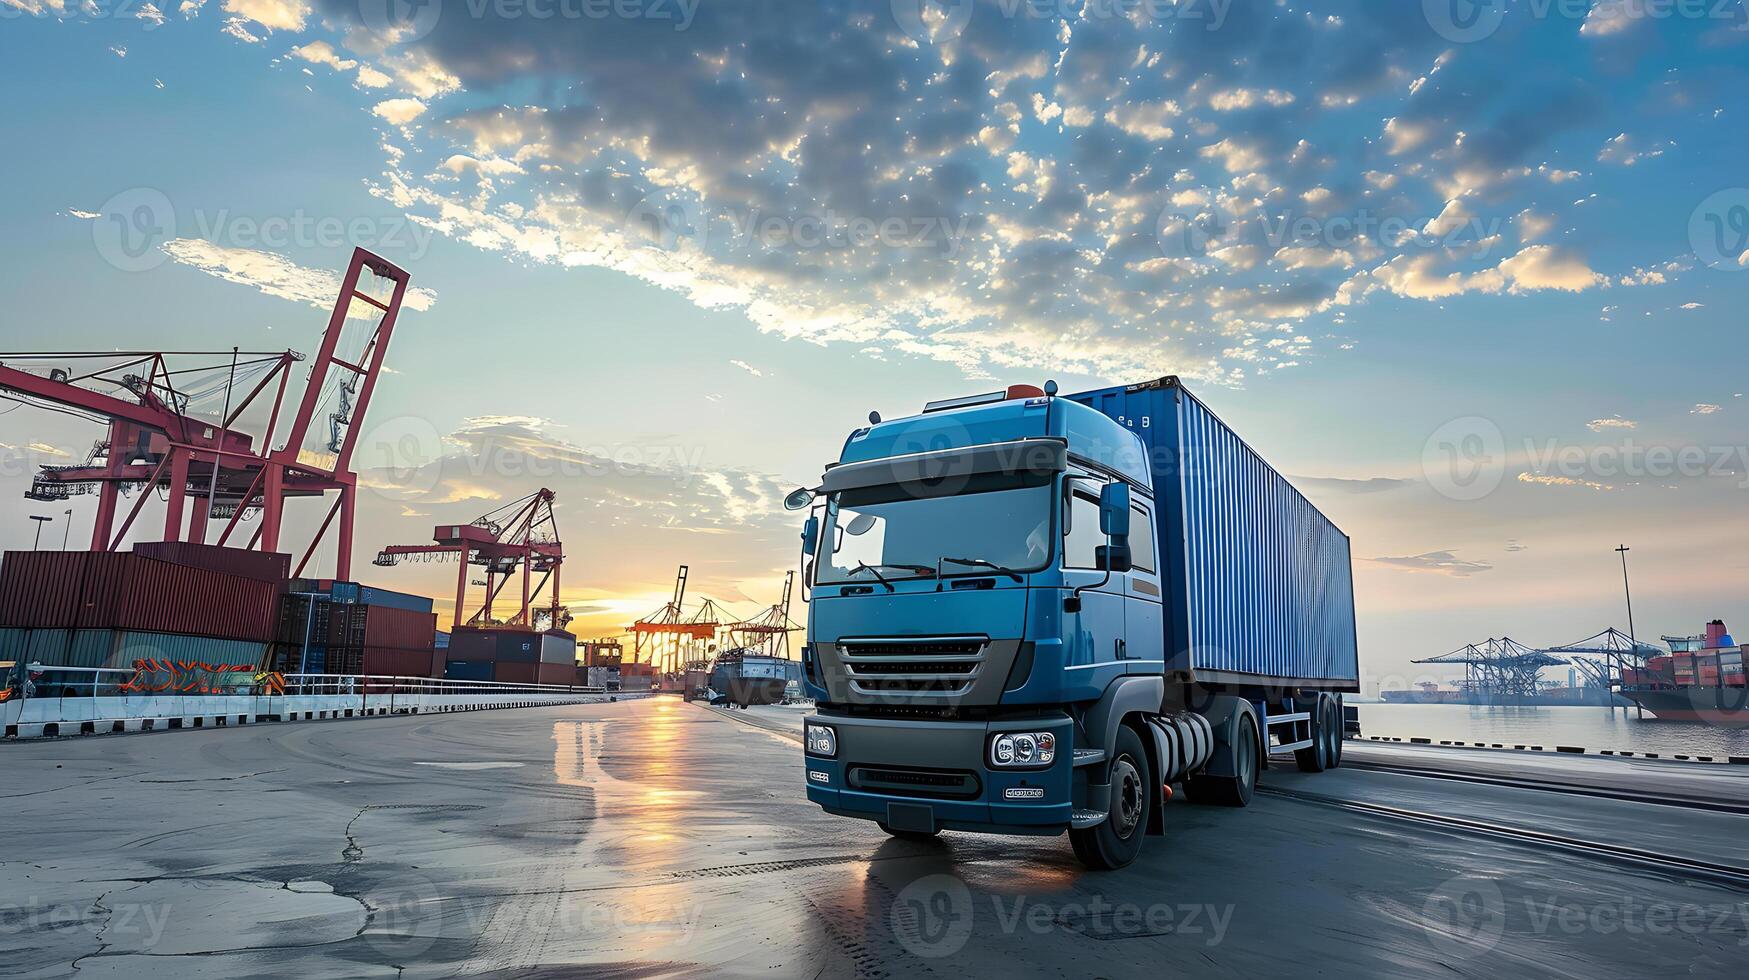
[[66, 526], [40, 521], [1633, 639]]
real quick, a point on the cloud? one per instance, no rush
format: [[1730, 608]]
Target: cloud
[[1550, 267], [750, 369], [150, 13], [322, 53], [1705, 409], [1614, 422], [1551, 480], [1513, 544], [399, 111], [1377, 484], [275, 15], [278, 276], [238, 28], [84, 215], [1611, 17], [1437, 562]]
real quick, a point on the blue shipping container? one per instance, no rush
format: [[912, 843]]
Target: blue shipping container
[[468, 670], [395, 600], [1259, 584]]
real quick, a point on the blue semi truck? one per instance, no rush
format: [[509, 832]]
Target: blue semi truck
[[1036, 614]]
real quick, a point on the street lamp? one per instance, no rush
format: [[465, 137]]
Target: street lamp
[[1633, 639], [66, 527], [40, 521]]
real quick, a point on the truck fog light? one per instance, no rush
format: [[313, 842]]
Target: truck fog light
[[1023, 750], [822, 740]]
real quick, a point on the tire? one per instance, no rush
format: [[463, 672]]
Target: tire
[[1231, 790], [1317, 757], [1116, 842], [916, 835], [1338, 732]]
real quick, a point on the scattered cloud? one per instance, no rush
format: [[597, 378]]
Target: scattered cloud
[[1613, 422], [750, 369], [1437, 562], [1705, 409], [276, 275], [1513, 544], [400, 112], [1377, 484], [84, 215], [1550, 480]]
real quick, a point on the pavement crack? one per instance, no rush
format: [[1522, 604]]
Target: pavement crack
[[216, 779]]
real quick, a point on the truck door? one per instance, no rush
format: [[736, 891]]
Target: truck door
[[1144, 619], [1092, 637]]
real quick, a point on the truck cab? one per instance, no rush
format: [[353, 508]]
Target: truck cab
[[986, 641]]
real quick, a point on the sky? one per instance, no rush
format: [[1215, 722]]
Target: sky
[[1471, 273]]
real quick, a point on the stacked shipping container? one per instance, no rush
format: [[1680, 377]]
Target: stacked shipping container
[[511, 655]]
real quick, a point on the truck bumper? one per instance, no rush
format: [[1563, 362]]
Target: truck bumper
[[966, 793]]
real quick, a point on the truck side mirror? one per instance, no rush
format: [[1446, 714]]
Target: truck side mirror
[[811, 535], [1112, 557], [1114, 522]]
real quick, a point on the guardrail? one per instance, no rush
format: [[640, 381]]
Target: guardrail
[[51, 701]]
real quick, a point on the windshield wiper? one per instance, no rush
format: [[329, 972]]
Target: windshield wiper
[[981, 563], [863, 566]]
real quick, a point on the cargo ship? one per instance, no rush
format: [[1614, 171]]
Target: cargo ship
[[1700, 679], [747, 677]]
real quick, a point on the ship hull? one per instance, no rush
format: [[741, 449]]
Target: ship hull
[[1710, 705]]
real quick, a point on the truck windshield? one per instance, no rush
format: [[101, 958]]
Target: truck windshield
[[894, 532]]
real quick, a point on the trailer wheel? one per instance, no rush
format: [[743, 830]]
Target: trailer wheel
[[1318, 756], [906, 834], [1338, 733], [1116, 842], [1231, 790]]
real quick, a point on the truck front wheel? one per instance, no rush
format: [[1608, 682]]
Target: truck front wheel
[[1115, 843]]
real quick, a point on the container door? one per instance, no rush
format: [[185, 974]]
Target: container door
[[1092, 637], [1144, 621]]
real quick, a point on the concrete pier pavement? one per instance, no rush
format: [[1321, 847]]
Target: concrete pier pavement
[[656, 838]]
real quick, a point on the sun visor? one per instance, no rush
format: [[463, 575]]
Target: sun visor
[[1020, 456]]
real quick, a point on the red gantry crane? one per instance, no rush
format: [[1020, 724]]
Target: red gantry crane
[[768, 633], [208, 468], [668, 628], [522, 534]]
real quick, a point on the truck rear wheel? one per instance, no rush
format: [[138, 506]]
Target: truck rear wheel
[[1116, 842], [1321, 754], [1233, 790]]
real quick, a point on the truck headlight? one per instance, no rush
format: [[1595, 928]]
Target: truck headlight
[[821, 740], [1023, 750]]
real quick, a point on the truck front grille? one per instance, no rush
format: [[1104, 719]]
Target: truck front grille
[[936, 784], [922, 666]]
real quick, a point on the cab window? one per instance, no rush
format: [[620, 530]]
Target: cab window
[[1141, 539]]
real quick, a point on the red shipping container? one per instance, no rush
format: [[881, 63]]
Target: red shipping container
[[109, 590], [263, 566], [513, 672], [41, 589], [561, 674], [387, 626], [396, 663]]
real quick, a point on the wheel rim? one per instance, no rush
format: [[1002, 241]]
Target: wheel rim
[[1128, 797]]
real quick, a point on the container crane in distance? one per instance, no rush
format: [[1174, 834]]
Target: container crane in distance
[[522, 534], [209, 468]]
